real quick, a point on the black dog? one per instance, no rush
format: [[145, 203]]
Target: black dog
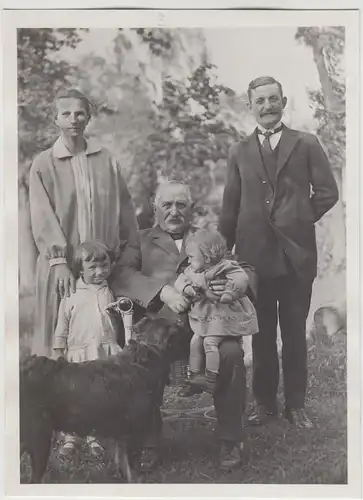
[[113, 398]]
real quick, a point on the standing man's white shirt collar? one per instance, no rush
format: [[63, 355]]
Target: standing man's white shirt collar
[[275, 138]]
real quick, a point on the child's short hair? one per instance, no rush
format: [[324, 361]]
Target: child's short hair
[[210, 243], [92, 251]]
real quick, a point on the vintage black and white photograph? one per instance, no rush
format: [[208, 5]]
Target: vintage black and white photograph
[[182, 254]]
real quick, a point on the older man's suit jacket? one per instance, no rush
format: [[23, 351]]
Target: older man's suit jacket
[[258, 216], [161, 263]]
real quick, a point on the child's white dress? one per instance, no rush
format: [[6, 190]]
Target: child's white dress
[[84, 329], [207, 316]]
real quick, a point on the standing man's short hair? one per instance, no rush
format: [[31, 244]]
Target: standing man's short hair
[[263, 80]]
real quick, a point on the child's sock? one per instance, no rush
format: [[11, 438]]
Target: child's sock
[[211, 376]]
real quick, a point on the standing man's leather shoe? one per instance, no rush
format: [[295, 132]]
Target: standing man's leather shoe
[[298, 418], [261, 415], [230, 455]]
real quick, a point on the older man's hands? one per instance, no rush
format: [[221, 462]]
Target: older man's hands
[[174, 299]]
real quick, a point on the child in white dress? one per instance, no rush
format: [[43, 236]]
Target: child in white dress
[[84, 329], [212, 317]]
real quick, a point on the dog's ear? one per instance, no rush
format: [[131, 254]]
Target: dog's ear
[[36, 371]]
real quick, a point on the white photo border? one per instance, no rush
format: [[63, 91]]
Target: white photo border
[[174, 18]]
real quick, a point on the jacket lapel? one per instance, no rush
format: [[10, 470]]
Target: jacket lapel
[[254, 154], [287, 143], [165, 242], [183, 259]]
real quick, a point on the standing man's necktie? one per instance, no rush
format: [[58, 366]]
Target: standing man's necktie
[[266, 142]]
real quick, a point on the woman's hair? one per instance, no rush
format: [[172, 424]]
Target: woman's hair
[[73, 93], [210, 243], [92, 251]]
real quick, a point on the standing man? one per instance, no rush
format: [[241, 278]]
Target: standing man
[[163, 258], [77, 194], [279, 184]]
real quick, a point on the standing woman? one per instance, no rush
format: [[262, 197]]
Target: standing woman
[[77, 193]]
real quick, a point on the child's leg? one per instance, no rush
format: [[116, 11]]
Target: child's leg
[[211, 350], [196, 356], [208, 380], [241, 342]]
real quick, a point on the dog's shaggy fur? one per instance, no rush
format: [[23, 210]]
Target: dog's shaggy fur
[[112, 399]]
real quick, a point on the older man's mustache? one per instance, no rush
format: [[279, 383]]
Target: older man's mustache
[[175, 219], [269, 113]]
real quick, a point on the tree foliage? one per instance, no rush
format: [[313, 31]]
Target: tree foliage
[[328, 46], [189, 140]]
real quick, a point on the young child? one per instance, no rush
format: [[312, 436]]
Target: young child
[[84, 329], [213, 317]]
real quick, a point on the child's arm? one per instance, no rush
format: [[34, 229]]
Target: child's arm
[[62, 328]]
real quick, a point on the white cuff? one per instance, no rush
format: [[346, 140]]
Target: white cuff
[[57, 260]]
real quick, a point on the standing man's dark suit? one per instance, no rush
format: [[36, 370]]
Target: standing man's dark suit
[[271, 202]]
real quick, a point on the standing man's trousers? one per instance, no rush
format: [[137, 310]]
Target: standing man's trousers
[[286, 298]]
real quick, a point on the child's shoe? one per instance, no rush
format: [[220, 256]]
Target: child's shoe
[[67, 449], [187, 390], [226, 298], [206, 382], [95, 448]]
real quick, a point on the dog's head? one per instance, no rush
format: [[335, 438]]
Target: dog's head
[[159, 333], [36, 373]]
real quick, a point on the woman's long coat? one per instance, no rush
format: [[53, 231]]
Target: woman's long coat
[[55, 224]]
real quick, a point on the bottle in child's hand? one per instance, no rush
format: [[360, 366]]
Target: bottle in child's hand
[[58, 353], [190, 291]]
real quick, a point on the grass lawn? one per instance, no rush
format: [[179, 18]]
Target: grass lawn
[[274, 454]]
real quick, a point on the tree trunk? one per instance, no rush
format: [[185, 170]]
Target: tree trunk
[[332, 103], [331, 237]]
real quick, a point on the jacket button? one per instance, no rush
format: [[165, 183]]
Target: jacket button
[[264, 182], [267, 201]]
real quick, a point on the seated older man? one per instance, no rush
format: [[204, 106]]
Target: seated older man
[[163, 258]]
